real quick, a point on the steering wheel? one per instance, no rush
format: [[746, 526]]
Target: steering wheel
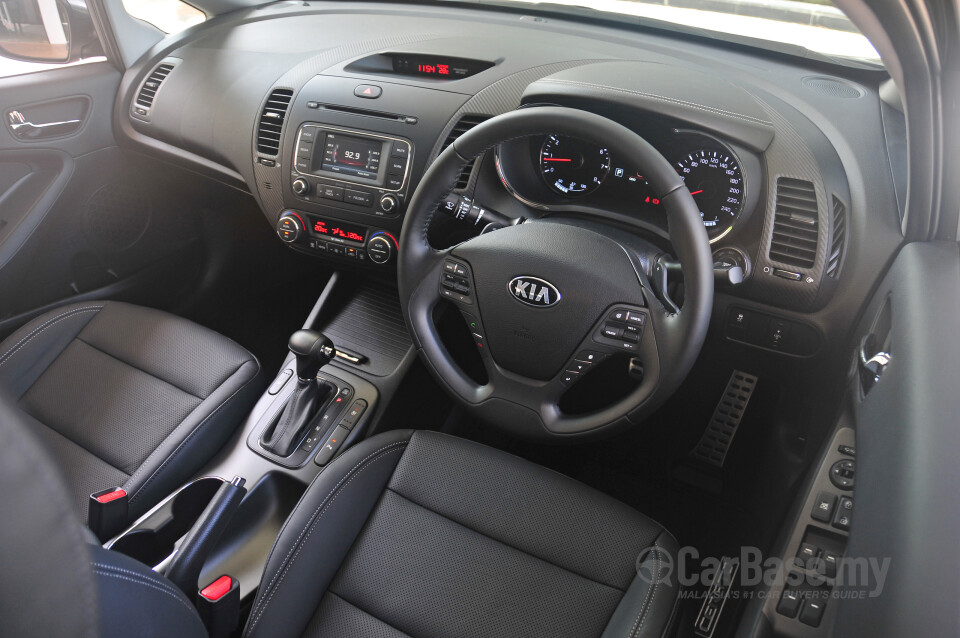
[[547, 299]]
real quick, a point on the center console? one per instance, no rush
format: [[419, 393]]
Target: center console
[[337, 162]]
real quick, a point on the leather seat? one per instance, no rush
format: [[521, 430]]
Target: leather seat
[[127, 396], [405, 534], [422, 534]]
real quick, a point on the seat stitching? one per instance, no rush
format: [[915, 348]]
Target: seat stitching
[[289, 560], [651, 593], [127, 363], [146, 583], [356, 606], [173, 590], [78, 445], [303, 531], [504, 543], [186, 439], [56, 493], [6, 356]]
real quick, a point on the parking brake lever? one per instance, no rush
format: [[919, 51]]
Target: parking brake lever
[[187, 563]]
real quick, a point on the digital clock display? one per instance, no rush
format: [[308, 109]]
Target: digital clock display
[[438, 67], [331, 228]]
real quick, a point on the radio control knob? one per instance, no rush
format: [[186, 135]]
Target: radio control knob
[[379, 249], [388, 203], [301, 186], [289, 228]]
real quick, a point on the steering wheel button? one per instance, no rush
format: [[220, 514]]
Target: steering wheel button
[[618, 315], [590, 356], [579, 366], [569, 377], [612, 331], [636, 318]]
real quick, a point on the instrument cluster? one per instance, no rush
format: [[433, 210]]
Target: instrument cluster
[[557, 170]]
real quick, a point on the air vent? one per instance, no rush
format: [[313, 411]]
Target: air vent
[[271, 121], [152, 84], [839, 238], [794, 239], [463, 125]]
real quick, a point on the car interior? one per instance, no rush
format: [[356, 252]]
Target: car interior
[[436, 318]]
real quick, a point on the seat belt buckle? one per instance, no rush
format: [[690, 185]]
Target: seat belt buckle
[[219, 606], [107, 513]]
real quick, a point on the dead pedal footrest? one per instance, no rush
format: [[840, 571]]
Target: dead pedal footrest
[[717, 438]]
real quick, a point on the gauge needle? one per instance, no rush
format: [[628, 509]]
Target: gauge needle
[[557, 159], [697, 192]]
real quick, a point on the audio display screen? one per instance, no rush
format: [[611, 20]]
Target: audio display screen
[[331, 228], [349, 155]]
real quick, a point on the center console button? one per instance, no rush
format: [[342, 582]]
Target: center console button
[[280, 381], [308, 134], [368, 91], [396, 166], [401, 149], [394, 181], [332, 445], [360, 198], [328, 191], [353, 415], [305, 150], [303, 164]]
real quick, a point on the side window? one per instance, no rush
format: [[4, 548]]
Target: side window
[[170, 16], [43, 34]]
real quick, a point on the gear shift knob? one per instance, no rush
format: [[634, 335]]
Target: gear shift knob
[[313, 351]]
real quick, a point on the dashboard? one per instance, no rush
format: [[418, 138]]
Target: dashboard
[[330, 113]]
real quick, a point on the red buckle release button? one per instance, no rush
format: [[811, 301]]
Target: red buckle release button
[[111, 496], [217, 589]]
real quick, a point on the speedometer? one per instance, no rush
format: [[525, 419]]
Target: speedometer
[[573, 167], [716, 183]]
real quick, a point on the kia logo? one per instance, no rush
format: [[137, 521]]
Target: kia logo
[[534, 291]]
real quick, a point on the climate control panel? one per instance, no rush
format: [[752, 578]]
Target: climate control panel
[[332, 238]]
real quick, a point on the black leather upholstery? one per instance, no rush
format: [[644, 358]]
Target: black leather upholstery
[[422, 534], [127, 396], [137, 601], [53, 583]]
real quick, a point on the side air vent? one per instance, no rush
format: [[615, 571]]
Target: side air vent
[[271, 121], [463, 125], [835, 259], [152, 84], [795, 224]]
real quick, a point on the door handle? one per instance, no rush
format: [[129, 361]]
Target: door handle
[[871, 366], [25, 130]]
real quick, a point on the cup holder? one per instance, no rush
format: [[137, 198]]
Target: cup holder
[[243, 548], [154, 537]]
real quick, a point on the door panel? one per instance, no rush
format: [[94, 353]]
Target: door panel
[[908, 444], [79, 217]]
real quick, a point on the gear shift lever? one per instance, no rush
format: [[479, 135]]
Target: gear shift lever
[[313, 351]]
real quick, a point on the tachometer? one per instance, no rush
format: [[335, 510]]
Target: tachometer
[[571, 166], [716, 183]]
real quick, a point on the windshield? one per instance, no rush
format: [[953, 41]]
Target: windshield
[[815, 25]]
